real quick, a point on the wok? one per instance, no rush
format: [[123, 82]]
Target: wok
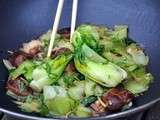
[[23, 20]]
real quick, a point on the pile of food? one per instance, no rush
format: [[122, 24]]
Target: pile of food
[[100, 70]]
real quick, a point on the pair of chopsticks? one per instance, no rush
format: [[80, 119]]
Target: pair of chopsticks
[[56, 23]]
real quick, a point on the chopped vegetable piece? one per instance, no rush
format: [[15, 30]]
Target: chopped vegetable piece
[[65, 33], [57, 101], [54, 69], [106, 74], [32, 47], [98, 90], [109, 75], [69, 79], [125, 61], [83, 111], [89, 87], [14, 96], [89, 100], [18, 87], [60, 105], [50, 92], [89, 36], [70, 69], [58, 51], [40, 79], [140, 81], [33, 106], [92, 55], [137, 54], [77, 92], [120, 32], [8, 65], [26, 69], [19, 57]]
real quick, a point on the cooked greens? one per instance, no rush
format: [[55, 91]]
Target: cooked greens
[[50, 72], [57, 100], [83, 76], [140, 81], [26, 69]]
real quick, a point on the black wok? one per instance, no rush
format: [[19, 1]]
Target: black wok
[[23, 20]]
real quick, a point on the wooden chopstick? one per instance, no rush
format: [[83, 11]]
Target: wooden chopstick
[[74, 16], [55, 26]]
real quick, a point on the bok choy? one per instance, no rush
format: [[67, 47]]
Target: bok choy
[[100, 71], [57, 100], [50, 73]]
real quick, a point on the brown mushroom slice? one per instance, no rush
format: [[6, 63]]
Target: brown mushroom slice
[[58, 51], [116, 98], [14, 86], [32, 48], [18, 57], [70, 69], [65, 33], [113, 100]]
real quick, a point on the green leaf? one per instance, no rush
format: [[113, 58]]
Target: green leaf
[[49, 72], [67, 80], [137, 54], [26, 69], [109, 75], [120, 32], [77, 92], [83, 111], [92, 55], [40, 79], [125, 61], [140, 81], [31, 104], [89, 87], [60, 105], [89, 35], [57, 100], [50, 92], [88, 100]]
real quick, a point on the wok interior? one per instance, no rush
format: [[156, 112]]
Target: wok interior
[[25, 20]]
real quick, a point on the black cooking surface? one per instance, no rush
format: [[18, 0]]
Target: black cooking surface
[[151, 114]]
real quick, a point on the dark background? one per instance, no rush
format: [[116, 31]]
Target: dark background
[[23, 20]]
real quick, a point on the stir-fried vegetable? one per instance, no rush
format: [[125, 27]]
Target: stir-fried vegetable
[[89, 87], [26, 69], [50, 73], [89, 36], [67, 80], [137, 54], [77, 92], [57, 100], [109, 75], [83, 111], [88, 100], [140, 81], [33, 104], [100, 70]]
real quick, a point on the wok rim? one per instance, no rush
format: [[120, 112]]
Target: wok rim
[[112, 116]]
